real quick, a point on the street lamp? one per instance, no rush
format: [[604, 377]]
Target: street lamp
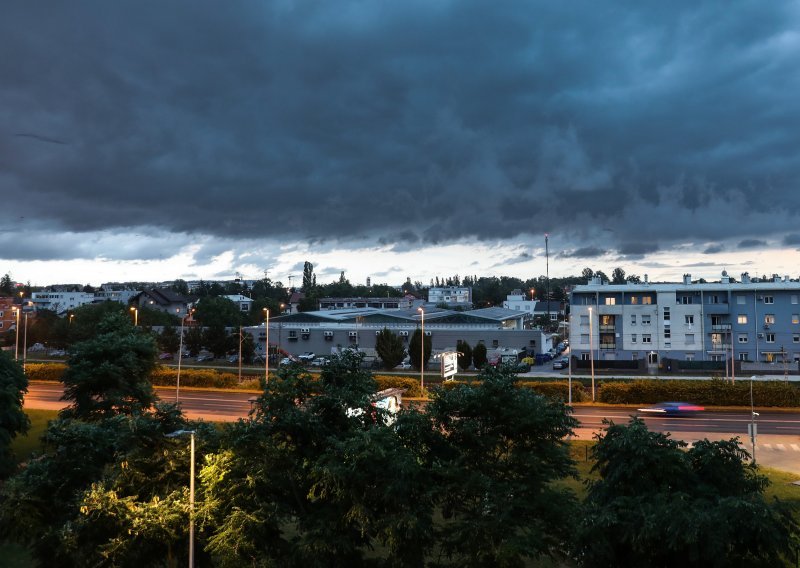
[[25, 345], [422, 351], [591, 349], [180, 357], [70, 318], [16, 341], [135, 316], [191, 433], [266, 345]]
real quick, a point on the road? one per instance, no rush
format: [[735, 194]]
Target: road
[[778, 442]]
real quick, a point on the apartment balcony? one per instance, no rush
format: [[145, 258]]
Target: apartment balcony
[[608, 328], [716, 309], [721, 327], [608, 346]]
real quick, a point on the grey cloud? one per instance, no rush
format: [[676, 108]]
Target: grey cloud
[[751, 243], [714, 249], [585, 252], [792, 239], [400, 123]]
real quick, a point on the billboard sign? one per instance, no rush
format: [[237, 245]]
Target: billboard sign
[[449, 362]]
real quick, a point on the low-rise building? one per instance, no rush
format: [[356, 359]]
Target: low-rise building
[[244, 303], [60, 302], [453, 296], [163, 299], [326, 304]]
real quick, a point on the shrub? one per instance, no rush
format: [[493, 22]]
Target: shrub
[[713, 392], [166, 376], [409, 383], [45, 371]]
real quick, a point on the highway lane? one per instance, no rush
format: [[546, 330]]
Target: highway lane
[[778, 432]]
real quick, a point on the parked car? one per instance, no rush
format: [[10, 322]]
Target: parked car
[[166, 356], [233, 359], [56, 352], [201, 358], [320, 362], [673, 409], [259, 358], [562, 363], [288, 361], [307, 357], [404, 365]]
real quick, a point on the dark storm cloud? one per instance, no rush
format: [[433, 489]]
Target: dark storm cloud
[[791, 239], [399, 122], [751, 244], [585, 252], [714, 249]]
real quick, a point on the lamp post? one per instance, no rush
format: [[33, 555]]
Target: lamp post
[[70, 318], [25, 345], [135, 316], [280, 333], [569, 373], [266, 345], [16, 341], [422, 351], [591, 349], [191, 433], [180, 358], [753, 414]]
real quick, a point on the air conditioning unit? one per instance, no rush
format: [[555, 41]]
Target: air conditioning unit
[[353, 334], [761, 298], [305, 331], [327, 333], [761, 336], [427, 334], [378, 332], [403, 334]]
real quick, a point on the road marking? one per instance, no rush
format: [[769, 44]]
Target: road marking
[[795, 447], [767, 446], [780, 447]]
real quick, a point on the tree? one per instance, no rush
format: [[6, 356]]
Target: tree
[[618, 276], [13, 420], [218, 312], [587, 274], [193, 340], [464, 354], [503, 448], [658, 505], [479, 359], [633, 278], [601, 275], [311, 457], [390, 348], [217, 340], [6, 285], [415, 349], [110, 373], [180, 286], [168, 341], [309, 280]]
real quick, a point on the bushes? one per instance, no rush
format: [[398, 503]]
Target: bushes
[[713, 392], [45, 371], [167, 377], [410, 384], [551, 389]]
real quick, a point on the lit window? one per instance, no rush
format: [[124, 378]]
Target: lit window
[[647, 300], [769, 319], [741, 319], [611, 301], [795, 318]]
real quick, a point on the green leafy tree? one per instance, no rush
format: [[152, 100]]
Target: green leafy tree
[[110, 374], [193, 339], [415, 349], [84, 322], [313, 455], [658, 505], [464, 354], [13, 420], [479, 358], [219, 341], [618, 276], [148, 317], [6, 285], [168, 340], [218, 312], [503, 450], [309, 280], [391, 349]]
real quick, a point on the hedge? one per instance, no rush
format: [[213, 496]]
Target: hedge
[[410, 384], [167, 377], [552, 389], [714, 392], [45, 371]]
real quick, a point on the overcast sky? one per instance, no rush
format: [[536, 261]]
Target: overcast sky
[[152, 140]]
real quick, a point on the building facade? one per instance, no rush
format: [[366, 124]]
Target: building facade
[[61, 302], [450, 295], [753, 320]]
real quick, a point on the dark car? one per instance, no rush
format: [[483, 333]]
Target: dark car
[[562, 363], [673, 409]]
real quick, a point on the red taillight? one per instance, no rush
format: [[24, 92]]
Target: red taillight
[[690, 407]]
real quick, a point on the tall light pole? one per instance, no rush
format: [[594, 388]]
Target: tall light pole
[[753, 414], [135, 316], [569, 373], [591, 349], [422, 351], [180, 358], [16, 341], [25, 345], [191, 489], [547, 265], [266, 345]]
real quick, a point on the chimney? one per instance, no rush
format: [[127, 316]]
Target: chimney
[[745, 278], [687, 279]]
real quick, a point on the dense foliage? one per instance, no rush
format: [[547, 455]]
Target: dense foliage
[[13, 421], [390, 347]]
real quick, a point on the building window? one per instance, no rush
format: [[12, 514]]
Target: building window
[[633, 319], [742, 356], [585, 339], [667, 333], [795, 318], [666, 314], [770, 337], [796, 338], [645, 319], [584, 356], [743, 338], [769, 300], [495, 343], [769, 319], [685, 300], [647, 300], [794, 298], [716, 357], [611, 301], [634, 300], [741, 300], [690, 356], [646, 338], [633, 338], [741, 319], [584, 320], [689, 320], [689, 339]]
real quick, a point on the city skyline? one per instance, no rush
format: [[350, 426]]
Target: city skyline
[[147, 142]]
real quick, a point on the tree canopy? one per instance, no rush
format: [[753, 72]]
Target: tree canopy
[[390, 348], [13, 420]]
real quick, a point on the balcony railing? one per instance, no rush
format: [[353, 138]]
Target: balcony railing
[[608, 327], [721, 327], [608, 346]]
